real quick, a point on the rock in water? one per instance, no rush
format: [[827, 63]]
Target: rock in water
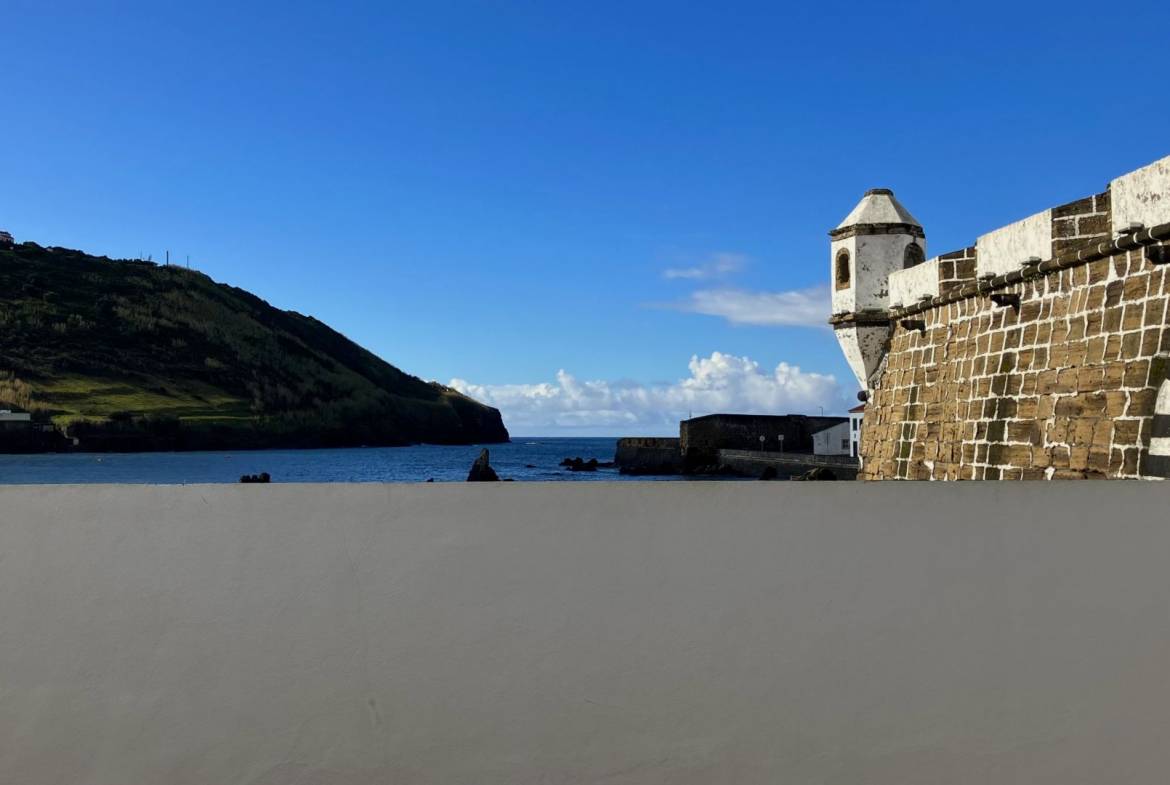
[[481, 470]]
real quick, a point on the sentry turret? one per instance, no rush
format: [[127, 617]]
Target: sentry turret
[[877, 238]]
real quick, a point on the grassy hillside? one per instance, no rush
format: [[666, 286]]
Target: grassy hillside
[[131, 355]]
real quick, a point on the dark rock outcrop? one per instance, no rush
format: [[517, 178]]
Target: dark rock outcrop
[[580, 465], [481, 470], [262, 477]]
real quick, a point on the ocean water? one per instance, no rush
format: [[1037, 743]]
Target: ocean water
[[521, 460]]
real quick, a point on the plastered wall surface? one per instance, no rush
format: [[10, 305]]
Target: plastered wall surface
[[872, 259], [907, 286], [863, 347], [558, 633], [1005, 249], [1142, 196]]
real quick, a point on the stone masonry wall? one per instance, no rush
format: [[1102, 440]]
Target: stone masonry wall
[[1081, 224], [1060, 384], [955, 269], [648, 455]]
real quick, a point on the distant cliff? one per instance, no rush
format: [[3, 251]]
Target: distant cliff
[[129, 355]]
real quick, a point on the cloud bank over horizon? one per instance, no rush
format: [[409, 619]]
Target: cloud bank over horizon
[[719, 383]]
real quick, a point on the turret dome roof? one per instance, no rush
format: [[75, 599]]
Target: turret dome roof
[[879, 206]]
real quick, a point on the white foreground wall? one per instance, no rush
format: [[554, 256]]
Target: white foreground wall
[[909, 634]]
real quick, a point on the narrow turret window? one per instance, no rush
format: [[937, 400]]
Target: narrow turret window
[[913, 256], [843, 270]]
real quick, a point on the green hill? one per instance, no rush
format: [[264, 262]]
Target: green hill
[[132, 355]]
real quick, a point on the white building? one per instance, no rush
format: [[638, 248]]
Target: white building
[[6, 239], [855, 416], [7, 415], [833, 440]]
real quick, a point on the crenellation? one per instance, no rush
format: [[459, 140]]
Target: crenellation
[[911, 284], [1080, 225], [1141, 198], [1005, 250]]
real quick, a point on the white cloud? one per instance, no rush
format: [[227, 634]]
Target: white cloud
[[716, 266], [803, 307], [719, 383]]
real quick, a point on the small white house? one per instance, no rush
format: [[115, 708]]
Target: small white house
[[855, 416], [6, 239], [833, 440]]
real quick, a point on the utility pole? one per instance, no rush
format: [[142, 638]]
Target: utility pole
[[168, 257]]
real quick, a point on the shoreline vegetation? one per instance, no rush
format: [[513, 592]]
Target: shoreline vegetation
[[131, 356]]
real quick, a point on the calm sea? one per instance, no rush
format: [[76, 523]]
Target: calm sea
[[521, 460]]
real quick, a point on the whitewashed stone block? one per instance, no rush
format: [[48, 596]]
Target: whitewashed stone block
[[1142, 196], [1005, 249], [909, 285]]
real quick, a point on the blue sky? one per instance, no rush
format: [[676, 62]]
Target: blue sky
[[534, 199]]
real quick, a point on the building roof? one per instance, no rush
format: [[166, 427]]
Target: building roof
[[857, 409], [727, 416], [879, 206]]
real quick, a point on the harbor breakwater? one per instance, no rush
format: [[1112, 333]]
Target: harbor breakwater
[[570, 633]]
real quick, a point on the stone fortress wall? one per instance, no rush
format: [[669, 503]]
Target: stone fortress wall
[[1039, 353]]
